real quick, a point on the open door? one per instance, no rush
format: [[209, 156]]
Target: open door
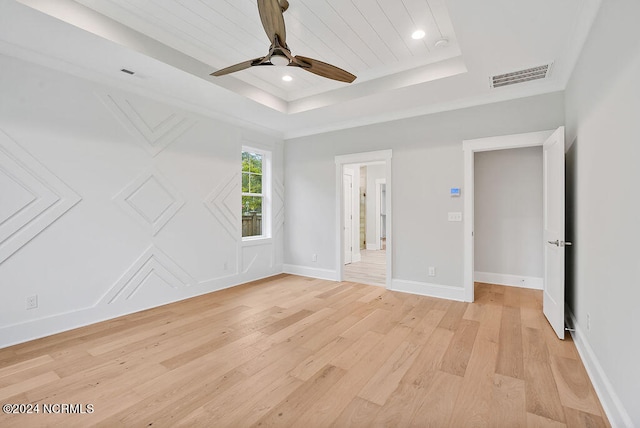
[[553, 219]]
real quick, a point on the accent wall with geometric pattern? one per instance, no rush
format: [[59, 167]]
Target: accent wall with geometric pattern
[[113, 202]]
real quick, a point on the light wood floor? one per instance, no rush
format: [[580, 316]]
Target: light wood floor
[[297, 352], [371, 269]]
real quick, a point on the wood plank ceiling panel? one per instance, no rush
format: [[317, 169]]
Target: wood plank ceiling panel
[[325, 40], [384, 27], [364, 29], [370, 38], [422, 14], [404, 26], [349, 40]]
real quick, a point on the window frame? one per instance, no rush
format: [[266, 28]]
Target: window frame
[[266, 194]]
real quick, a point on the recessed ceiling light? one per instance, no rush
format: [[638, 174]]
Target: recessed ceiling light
[[418, 34], [287, 78]]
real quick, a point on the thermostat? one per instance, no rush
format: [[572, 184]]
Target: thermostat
[[455, 192]]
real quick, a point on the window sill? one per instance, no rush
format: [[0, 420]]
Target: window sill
[[256, 240]]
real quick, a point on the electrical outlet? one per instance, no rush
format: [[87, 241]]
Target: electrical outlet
[[32, 302], [314, 257], [455, 216], [432, 271]]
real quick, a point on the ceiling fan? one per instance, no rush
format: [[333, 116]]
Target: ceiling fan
[[271, 15]]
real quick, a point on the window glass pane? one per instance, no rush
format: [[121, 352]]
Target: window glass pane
[[255, 183], [251, 216], [245, 161], [255, 163], [245, 182]]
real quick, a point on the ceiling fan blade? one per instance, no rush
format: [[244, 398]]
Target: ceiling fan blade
[[272, 19], [237, 67], [323, 69]]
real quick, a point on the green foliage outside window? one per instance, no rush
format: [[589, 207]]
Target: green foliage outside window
[[251, 183]]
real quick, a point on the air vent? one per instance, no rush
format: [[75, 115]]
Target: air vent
[[124, 70], [521, 76]]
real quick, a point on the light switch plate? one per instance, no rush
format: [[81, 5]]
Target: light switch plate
[[455, 216]]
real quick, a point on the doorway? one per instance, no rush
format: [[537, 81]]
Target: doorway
[[553, 243], [364, 190], [363, 196]]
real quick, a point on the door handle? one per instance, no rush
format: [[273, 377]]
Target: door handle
[[559, 243]]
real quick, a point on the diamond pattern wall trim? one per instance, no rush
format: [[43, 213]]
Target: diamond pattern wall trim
[[31, 197], [151, 200], [224, 204], [278, 201], [152, 262], [154, 125]]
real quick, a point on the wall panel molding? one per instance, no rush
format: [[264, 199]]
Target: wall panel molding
[[221, 202], [152, 262], [151, 200], [154, 125], [32, 197], [278, 217]]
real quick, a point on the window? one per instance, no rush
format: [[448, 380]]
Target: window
[[255, 195]]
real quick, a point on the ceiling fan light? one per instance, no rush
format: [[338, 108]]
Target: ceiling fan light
[[279, 60], [418, 34]]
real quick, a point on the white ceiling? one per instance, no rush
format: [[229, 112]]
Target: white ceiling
[[366, 37], [173, 45]]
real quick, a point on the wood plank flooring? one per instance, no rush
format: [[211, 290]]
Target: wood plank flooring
[[371, 269], [299, 352]]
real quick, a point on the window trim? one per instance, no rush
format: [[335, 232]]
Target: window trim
[[266, 195]]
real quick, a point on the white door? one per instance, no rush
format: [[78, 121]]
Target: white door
[[347, 193], [553, 218]]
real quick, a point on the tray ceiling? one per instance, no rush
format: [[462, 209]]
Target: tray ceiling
[[370, 38], [173, 46]]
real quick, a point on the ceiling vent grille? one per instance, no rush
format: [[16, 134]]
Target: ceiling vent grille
[[521, 76]]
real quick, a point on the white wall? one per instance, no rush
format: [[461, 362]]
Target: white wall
[[603, 111], [508, 217], [112, 203], [374, 172], [427, 162]]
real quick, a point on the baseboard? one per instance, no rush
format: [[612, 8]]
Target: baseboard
[[613, 407], [372, 247], [58, 323], [521, 281], [318, 273], [428, 289]]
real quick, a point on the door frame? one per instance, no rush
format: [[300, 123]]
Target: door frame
[[362, 158], [470, 147], [348, 172], [379, 183]]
